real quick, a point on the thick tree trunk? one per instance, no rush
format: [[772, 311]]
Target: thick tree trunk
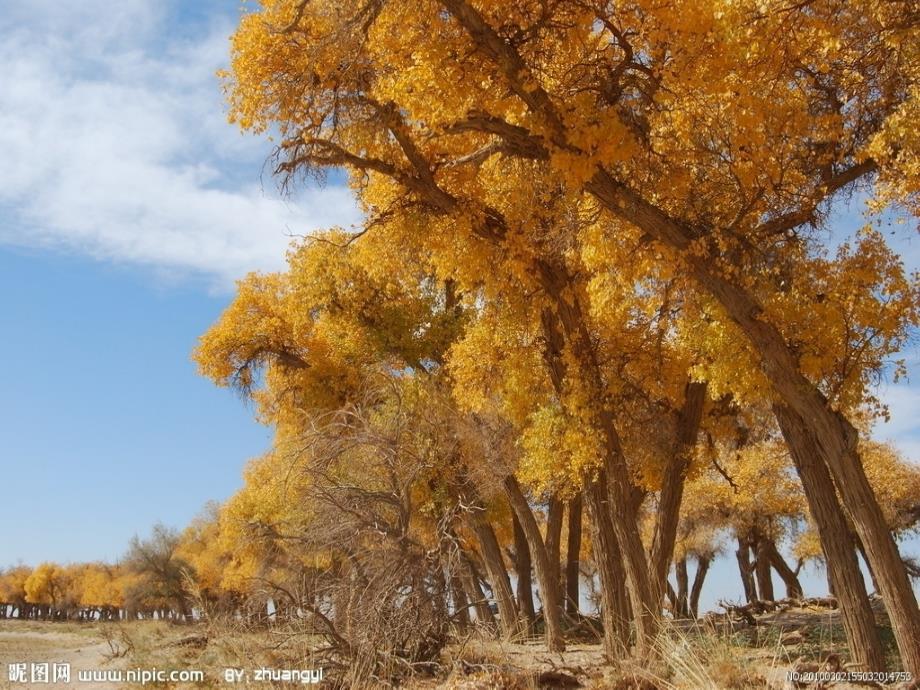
[[788, 575], [474, 591], [554, 515], [834, 440], [509, 616], [522, 568], [614, 614], [683, 584], [762, 569], [672, 486], [846, 580], [746, 569], [573, 556], [549, 586], [699, 577]]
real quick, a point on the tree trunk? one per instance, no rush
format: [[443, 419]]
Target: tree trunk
[[762, 569], [846, 580], [832, 438], [474, 591], [460, 602], [522, 567], [554, 515], [788, 575], [702, 567], [508, 613], [549, 587], [573, 557], [680, 572], [672, 597], [672, 485], [746, 569], [614, 614], [568, 314]]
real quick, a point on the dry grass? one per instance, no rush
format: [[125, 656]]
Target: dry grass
[[215, 647], [700, 657]]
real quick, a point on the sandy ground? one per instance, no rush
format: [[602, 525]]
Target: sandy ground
[[32, 643]]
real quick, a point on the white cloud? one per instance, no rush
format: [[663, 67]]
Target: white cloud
[[114, 144]]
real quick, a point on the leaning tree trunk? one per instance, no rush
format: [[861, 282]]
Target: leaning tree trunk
[[846, 580], [565, 322], [672, 486], [702, 567], [788, 575], [746, 569], [614, 605], [573, 556], [549, 587], [682, 609], [832, 438], [522, 567], [762, 569], [474, 593], [509, 616]]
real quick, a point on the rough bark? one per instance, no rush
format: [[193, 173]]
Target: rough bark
[[846, 580], [762, 569], [746, 569], [614, 615], [509, 616], [680, 572], [474, 593], [788, 575], [554, 515], [549, 587], [672, 486], [573, 556], [522, 568], [699, 577]]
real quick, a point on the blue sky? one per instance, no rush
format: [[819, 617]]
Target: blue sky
[[128, 206]]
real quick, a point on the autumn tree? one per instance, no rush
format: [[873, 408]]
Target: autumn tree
[[45, 586], [13, 597], [704, 146], [317, 336], [162, 575]]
